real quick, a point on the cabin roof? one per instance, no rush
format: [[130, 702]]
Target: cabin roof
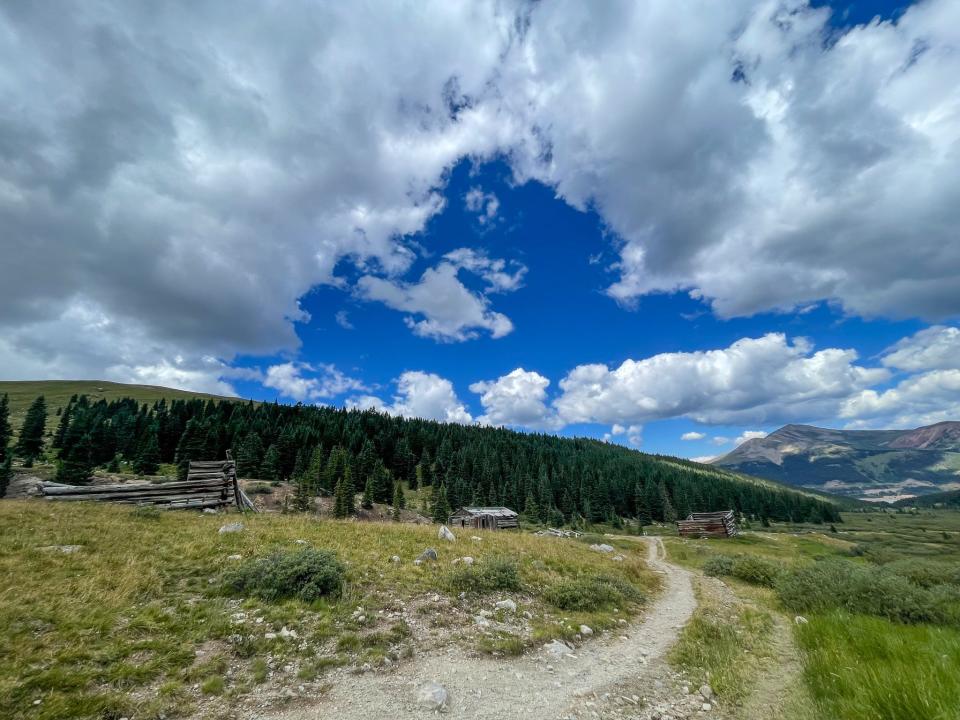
[[495, 511]]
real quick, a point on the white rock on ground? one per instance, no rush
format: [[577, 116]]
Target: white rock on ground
[[706, 692], [557, 649], [234, 558], [231, 528], [65, 549], [445, 534], [432, 696], [475, 538], [395, 559], [800, 620], [602, 547], [586, 630], [425, 556], [508, 605]]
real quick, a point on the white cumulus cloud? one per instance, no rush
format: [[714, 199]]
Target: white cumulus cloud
[[518, 398], [419, 395], [303, 381], [692, 435]]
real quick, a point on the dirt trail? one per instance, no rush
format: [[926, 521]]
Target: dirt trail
[[551, 687]]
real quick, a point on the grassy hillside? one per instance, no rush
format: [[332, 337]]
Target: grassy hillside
[[880, 600], [145, 619], [59, 392]]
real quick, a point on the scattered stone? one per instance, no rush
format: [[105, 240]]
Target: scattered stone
[[300, 542], [234, 558], [508, 605], [706, 692], [432, 696], [231, 528], [270, 636], [586, 630], [475, 538], [210, 511], [288, 634], [65, 549], [602, 547], [800, 620], [395, 559], [706, 707], [445, 534], [427, 555], [618, 558]]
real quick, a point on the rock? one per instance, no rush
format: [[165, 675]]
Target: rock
[[706, 692], [300, 542], [706, 707], [234, 558], [618, 558], [476, 538], [231, 528], [445, 534], [432, 696], [395, 559], [586, 630], [602, 547], [464, 560], [65, 549], [428, 554], [270, 636], [288, 634], [210, 511], [800, 620], [557, 649], [508, 605]]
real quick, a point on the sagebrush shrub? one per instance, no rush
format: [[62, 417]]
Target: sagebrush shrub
[[591, 592], [306, 574], [718, 566], [743, 567], [496, 574]]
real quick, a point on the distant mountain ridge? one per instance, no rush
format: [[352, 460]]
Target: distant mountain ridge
[[871, 464]]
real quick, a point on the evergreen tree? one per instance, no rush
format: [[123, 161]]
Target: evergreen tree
[[531, 508], [191, 447], [366, 502], [381, 483], [270, 468], [302, 498], [30, 445], [250, 456], [439, 506], [5, 430], [114, 464], [669, 514], [399, 501], [62, 426], [403, 461], [366, 461], [147, 461], [343, 495], [643, 510], [77, 467], [6, 474]]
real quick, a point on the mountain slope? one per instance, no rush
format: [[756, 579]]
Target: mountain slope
[[58, 392], [554, 478], [872, 464]]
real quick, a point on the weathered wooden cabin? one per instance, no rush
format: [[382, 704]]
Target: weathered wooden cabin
[[711, 524], [484, 518]]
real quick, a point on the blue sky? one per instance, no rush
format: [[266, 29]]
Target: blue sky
[[605, 223]]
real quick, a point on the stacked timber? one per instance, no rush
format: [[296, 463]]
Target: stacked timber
[[711, 524], [209, 484]]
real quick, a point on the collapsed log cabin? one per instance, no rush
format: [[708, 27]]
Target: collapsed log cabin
[[484, 518], [209, 484], [711, 524]]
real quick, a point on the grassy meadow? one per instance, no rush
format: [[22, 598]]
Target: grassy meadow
[[138, 620], [880, 605]]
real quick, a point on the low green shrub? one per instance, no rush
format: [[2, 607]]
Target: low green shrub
[[260, 489], [748, 568], [591, 592], [306, 574], [842, 585], [496, 574], [146, 512], [926, 573]]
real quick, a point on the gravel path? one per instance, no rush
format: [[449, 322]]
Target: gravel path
[[551, 687]]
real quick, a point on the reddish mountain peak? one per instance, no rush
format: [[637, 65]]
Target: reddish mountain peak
[[928, 436]]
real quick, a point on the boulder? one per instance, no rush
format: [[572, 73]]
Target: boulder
[[602, 547], [231, 528], [557, 649], [508, 605], [427, 555], [586, 630], [432, 696], [395, 559], [445, 534], [706, 692]]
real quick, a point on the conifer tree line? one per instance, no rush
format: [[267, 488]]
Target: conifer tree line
[[344, 453]]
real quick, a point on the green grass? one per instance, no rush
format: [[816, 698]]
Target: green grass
[[722, 647], [115, 629], [862, 667], [856, 588]]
